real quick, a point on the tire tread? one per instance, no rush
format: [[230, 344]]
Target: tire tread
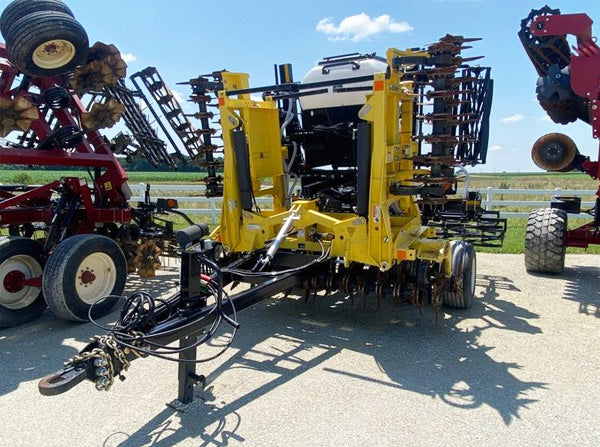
[[545, 241], [462, 252], [39, 27], [18, 9]]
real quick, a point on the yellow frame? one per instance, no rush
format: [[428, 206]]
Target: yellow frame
[[382, 239]]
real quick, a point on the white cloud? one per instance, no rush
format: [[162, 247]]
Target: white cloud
[[178, 97], [512, 119], [183, 102], [545, 119], [361, 26], [128, 57], [495, 148]]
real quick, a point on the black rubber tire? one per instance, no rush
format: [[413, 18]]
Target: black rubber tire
[[545, 241], [464, 273], [64, 268], [9, 248], [33, 30], [18, 9]]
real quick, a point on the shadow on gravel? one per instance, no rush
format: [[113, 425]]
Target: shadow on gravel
[[446, 362], [583, 287], [34, 350]]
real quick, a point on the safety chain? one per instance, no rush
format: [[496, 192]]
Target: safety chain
[[103, 362], [137, 342]]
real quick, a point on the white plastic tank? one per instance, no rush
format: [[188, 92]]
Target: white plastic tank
[[341, 67]]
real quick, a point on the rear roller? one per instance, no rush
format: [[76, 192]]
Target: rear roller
[[21, 266], [81, 271]]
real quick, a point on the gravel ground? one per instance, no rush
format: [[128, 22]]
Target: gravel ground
[[518, 368]]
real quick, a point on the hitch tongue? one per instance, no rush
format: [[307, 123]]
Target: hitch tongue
[[60, 382], [100, 361]]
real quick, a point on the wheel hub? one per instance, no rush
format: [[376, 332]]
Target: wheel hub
[[51, 49], [87, 277], [96, 277], [18, 276], [54, 54], [13, 281], [554, 152]]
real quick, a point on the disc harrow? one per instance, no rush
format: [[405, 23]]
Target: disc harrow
[[16, 114], [104, 67], [103, 115]]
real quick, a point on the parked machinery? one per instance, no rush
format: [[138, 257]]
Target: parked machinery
[[45, 50], [73, 240], [347, 170], [568, 89]]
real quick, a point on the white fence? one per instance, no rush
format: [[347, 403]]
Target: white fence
[[492, 199]]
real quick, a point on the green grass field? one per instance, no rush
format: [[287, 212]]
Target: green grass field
[[540, 180], [515, 236], [41, 177], [514, 241]]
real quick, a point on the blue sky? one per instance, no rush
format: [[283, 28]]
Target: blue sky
[[185, 38]]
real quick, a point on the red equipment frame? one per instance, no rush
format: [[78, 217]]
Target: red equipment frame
[[584, 68], [108, 204]]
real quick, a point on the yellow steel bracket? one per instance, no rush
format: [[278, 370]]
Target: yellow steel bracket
[[260, 122], [397, 235], [389, 110]]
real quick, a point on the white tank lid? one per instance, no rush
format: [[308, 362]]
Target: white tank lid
[[341, 67]]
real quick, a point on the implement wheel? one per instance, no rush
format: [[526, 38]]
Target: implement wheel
[[545, 241], [20, 259], [82, 270], [464, 274], [554, 152], [21, 8], [47, 44]]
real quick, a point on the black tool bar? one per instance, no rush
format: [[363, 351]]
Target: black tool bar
[[177, 328], [286, 95], [297, 86]]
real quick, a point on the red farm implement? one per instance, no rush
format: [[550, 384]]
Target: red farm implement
[[73, 240], [568, 89], [75, 262]]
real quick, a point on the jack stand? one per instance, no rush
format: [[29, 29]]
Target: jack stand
[[187, 371]]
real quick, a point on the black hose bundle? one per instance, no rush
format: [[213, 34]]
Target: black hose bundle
[[141, 310]]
